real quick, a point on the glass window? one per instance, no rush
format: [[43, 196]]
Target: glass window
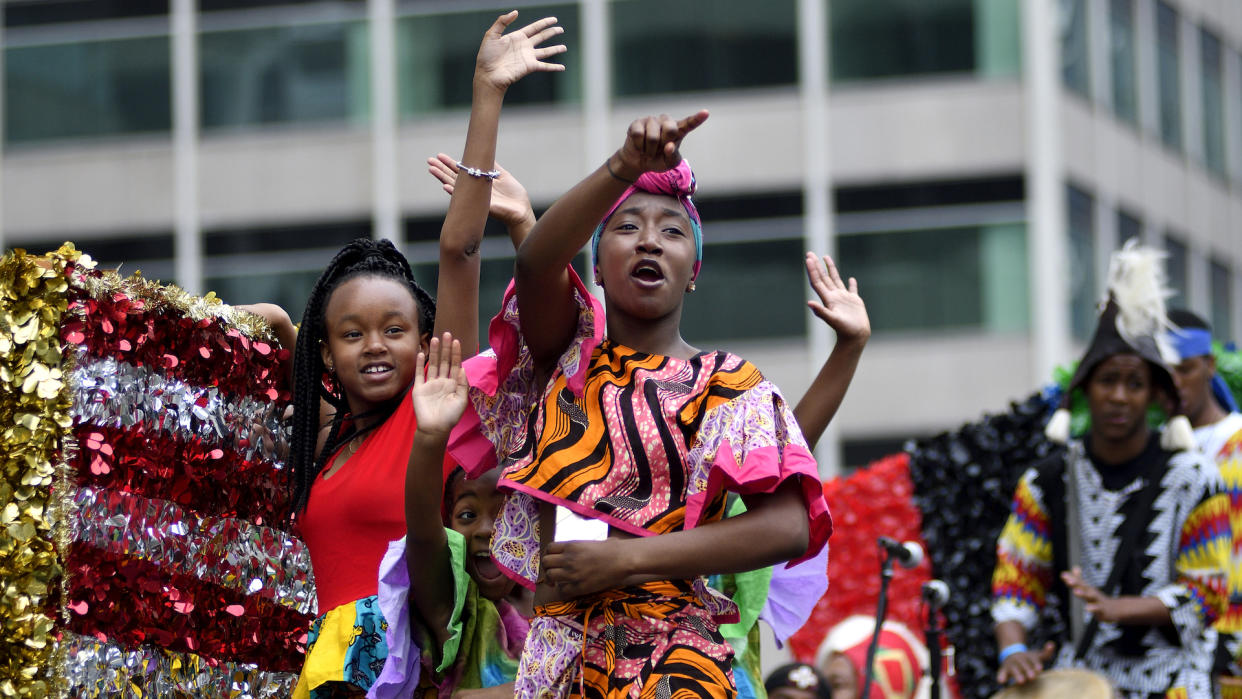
[[150, 253], [1075, 58], [435, 60], [660, 46], [750, 290], [89, 88], [1082, 263], [286, 74], [277, 264], [1222, 301], [1128, 226], [495, 275], [940, 254], [1122, 57], [884, 38], [998, 38], [1212, 72], [212, 5], [288, 289], [1234, 126], [859, 453], [940, 279], [23, 14], [1168, 69], [1179, 270]]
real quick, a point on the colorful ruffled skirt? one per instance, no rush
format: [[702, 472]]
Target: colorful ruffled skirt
[[345, 651]]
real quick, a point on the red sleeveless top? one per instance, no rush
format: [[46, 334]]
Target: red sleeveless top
[[352, 515]]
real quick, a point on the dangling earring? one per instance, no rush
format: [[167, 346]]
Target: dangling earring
[[690, 287]]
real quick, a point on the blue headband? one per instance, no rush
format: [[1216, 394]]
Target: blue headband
[[1197, 342], [1191, 342]]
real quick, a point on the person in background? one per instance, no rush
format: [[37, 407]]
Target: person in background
[[1213, 413], [900, 661], [1134, 523], [797, 681]]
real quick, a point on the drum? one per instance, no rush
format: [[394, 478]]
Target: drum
[[1058, 684]]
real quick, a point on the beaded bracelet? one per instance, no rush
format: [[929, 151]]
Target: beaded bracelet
[[476, 172], [615, 176], [1012, 649]]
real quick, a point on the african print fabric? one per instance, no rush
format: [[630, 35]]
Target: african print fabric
[[1181, 558], [648, 443], [345, 651], [659, 637]]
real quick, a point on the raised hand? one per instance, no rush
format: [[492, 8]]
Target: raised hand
[[439, 398], [653, 144], [839, 305], [507, 58], [510, 204]]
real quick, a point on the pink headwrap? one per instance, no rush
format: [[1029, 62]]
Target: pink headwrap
[[679, 183]]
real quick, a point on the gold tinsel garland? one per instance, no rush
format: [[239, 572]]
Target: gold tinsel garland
[[160, 297], [35, 418], [36, 443]]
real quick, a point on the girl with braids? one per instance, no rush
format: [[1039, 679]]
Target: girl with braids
[[633, 442], [365, 323]]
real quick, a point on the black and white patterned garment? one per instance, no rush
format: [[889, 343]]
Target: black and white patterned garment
[[1180, 559]]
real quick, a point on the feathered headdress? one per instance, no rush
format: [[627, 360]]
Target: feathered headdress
[[1134, 321]]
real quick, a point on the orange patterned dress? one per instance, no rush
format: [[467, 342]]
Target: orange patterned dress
[[649, 444]]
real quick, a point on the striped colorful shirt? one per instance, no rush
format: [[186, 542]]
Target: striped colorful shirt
[[1222, 442]]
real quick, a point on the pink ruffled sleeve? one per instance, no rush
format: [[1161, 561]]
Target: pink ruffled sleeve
[[502, 381], [749, 445]]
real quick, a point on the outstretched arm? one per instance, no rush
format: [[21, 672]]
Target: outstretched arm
[[510, 204], [842, 309], [282, 326], [545, 304], [503, 59], [774, 527], [439, 400]]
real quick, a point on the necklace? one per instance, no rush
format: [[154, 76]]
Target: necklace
[[351, 447], [354, 444]]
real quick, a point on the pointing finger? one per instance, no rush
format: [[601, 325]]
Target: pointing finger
[[692, 122]]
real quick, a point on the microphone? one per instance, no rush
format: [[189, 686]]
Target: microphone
[[909, 554], [935, 594]]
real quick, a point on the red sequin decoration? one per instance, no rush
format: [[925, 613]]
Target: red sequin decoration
[[872, 502], [200, 352]]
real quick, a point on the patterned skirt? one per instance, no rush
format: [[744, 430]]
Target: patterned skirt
[[345, 651], [653, 640]]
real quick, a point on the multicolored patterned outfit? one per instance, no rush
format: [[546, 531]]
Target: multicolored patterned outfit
[[649, 444], [485, 637], [1181, 559], [1222, 442]]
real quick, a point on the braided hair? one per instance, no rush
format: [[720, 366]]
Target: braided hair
[[363, 257]]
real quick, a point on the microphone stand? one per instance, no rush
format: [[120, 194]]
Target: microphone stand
[[932, 634], [881, 608]]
